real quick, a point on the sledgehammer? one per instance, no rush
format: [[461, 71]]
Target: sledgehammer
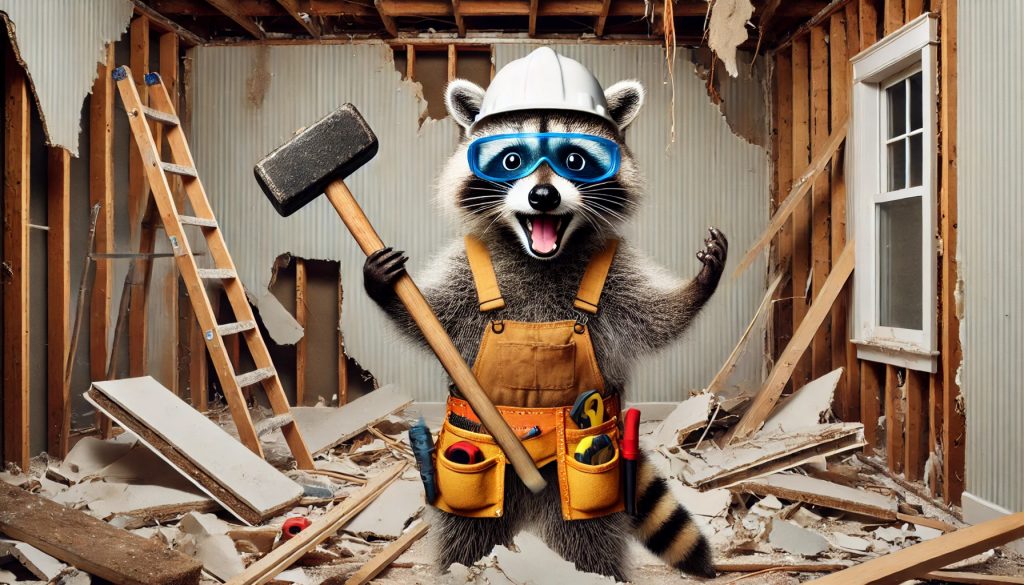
[[317, 160]]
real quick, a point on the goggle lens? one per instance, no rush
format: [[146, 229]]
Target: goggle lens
[[578, 157]]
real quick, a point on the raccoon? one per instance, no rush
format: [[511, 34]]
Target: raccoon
[[541, 230]]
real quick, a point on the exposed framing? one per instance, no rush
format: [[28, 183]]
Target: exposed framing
[[101, 191], [58, 297]]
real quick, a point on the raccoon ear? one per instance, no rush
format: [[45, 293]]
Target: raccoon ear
[[625, 99], [463, 99]]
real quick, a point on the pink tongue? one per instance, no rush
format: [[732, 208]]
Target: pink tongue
[[544, 234]]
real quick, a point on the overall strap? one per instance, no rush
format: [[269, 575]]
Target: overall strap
[[593, 279], [487, 291]]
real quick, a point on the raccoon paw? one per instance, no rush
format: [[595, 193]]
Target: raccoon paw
[[381, 270], [713, 255]]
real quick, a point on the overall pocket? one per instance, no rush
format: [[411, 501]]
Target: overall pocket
[[591, 491], [473, 489]]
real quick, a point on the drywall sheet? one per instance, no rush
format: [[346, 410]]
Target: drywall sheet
[[249, 100], [60, 43]]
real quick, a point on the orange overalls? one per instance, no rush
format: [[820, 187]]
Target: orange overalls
[[533, 373]]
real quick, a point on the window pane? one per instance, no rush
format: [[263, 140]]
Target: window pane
[[900, 263], [897, 161], [897, 100], [916, 103], [916, 159]]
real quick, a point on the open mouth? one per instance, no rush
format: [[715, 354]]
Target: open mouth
[[544, 231]]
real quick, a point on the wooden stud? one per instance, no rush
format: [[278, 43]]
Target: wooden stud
[[602, 18], [101, 191], [934, 479], [894, 408], [914, 8], [770, 392], [342, 360], [853, 366], [870, 405], [852, 33], [138, 195], [532, 30], [230, 9], [197, 370], [15, 277], [460, 23], [802, 213], [386, 20], [915, 448], [301, 346], [309, 22], [782, 111], [58, 298], [167, 25], [821, 197], [953, 429], [453, 63], [868, 14], [169, 55], [893, 16], [410, 62]]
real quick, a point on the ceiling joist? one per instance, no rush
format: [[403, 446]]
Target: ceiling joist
[[230, 10], [305, 19]]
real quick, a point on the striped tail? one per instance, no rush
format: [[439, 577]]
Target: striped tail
[[666, 528]]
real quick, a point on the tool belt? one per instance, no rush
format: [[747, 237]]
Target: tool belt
[[478, 489]]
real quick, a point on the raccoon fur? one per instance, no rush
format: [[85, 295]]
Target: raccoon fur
[[643, 309]]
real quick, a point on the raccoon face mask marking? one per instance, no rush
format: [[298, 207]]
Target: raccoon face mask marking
[[590, 191]]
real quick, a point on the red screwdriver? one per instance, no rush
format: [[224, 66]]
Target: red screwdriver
[[630, 450]]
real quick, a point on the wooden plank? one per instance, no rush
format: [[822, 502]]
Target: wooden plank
[[17, 154], [770, 392], [101, 191], [800, 265], [894, 408], [165, 274], [386, 19], [197, 370], [973, 578], [532, 27], [410, 62], [460, 23], [292, 550], [782, 322], [223, 468], [165, 24], [821, 196], [936, 553], [326, 427], [893, 16], [58, 298], [817, 492], [310, 22], [870, 405], [90, 544], [868, 14], [453, 63], [229, 8], [779, 567], [915, 442], [718, 382], [342, 359], [951, 354], [138, 195], [602, 18], [387, 555], [913, 9], [791, 204], [301, 346], [934, 407]]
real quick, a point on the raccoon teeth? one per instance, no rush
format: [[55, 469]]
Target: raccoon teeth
[[529, 224]]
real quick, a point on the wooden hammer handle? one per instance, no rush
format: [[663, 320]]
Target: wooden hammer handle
[[410, 295]]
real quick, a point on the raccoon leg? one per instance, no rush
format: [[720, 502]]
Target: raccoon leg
[[459, 539], [666, 528]]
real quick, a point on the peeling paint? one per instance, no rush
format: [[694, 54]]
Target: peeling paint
[[59, 44], [258, 82], [741, 99]]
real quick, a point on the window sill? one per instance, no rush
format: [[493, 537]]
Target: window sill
[[897, 355]]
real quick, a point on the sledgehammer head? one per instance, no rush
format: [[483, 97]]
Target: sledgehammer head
[[299, 170]]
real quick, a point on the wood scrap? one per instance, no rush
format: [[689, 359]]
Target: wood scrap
[[213, 460], [925, 521], [973, 578], [326, 427], [283, 556], [800, 488], [784, 567], [388, 555], [74, 536], [920, 559], [718, 382]]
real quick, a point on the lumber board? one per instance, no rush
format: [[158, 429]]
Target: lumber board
[[17, 153], [460, 23], [58, 299], [718, 382], [868, 15], [894, 409], [918, 560], [138, 194], [90, 544], [974, 578], [410, 62], [163, 23], [101, 191], [779, 567], [770, 392], [283, 556], [893, 16], [385, 557], [870, 405], [230, 10], [165, 274], [532, 25], [602, 18], [915, 443], [453, 62], [325, 427], [782, 322], [295, 10], [800, 268], [342, 360], [821, 195], [386, 19], [301, 346], [818, 492], [223, 468]]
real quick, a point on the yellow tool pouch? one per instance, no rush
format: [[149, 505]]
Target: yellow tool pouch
[[477, 489], [589, 491]]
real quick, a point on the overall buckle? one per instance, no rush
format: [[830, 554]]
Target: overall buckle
[[581, 322]]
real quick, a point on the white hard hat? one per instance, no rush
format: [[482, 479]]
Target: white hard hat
[[544, 80]]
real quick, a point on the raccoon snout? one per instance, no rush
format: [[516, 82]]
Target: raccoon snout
[[544, 197]]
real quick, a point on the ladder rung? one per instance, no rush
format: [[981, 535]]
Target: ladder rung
[[200, 221], [158, 116], [250, 378], [179, 169], [232, 328], [214, 273]]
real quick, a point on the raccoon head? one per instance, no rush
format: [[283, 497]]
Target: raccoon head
[[543, 211]]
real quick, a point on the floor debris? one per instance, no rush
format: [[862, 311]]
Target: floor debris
[[324, 427]]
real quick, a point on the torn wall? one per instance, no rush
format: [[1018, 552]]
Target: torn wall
[[709, 177], [60, 43]]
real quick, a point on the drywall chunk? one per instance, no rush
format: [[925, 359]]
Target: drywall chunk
[[728, 30], [213, 547], [88, 456], [388, 515], [854, 543], [534, 562], [325, 427], [690, 415], [795, 540], [806, 407], [36, 561]]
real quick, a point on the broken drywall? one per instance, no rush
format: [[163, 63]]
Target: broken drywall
[[742, 99], [60, 43], [727, 29]]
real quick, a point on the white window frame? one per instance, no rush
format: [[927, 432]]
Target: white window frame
[[911, 48]]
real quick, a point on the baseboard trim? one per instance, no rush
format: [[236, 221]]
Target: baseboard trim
[[978, 510]]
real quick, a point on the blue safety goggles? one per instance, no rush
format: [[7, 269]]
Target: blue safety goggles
[[582, 158]]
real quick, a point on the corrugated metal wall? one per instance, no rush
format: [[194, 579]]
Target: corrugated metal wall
[[248, 100], [990, 147]]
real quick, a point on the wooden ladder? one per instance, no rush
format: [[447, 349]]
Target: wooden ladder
[[162, 112]]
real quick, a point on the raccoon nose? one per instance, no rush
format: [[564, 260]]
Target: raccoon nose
[[544, 197]]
